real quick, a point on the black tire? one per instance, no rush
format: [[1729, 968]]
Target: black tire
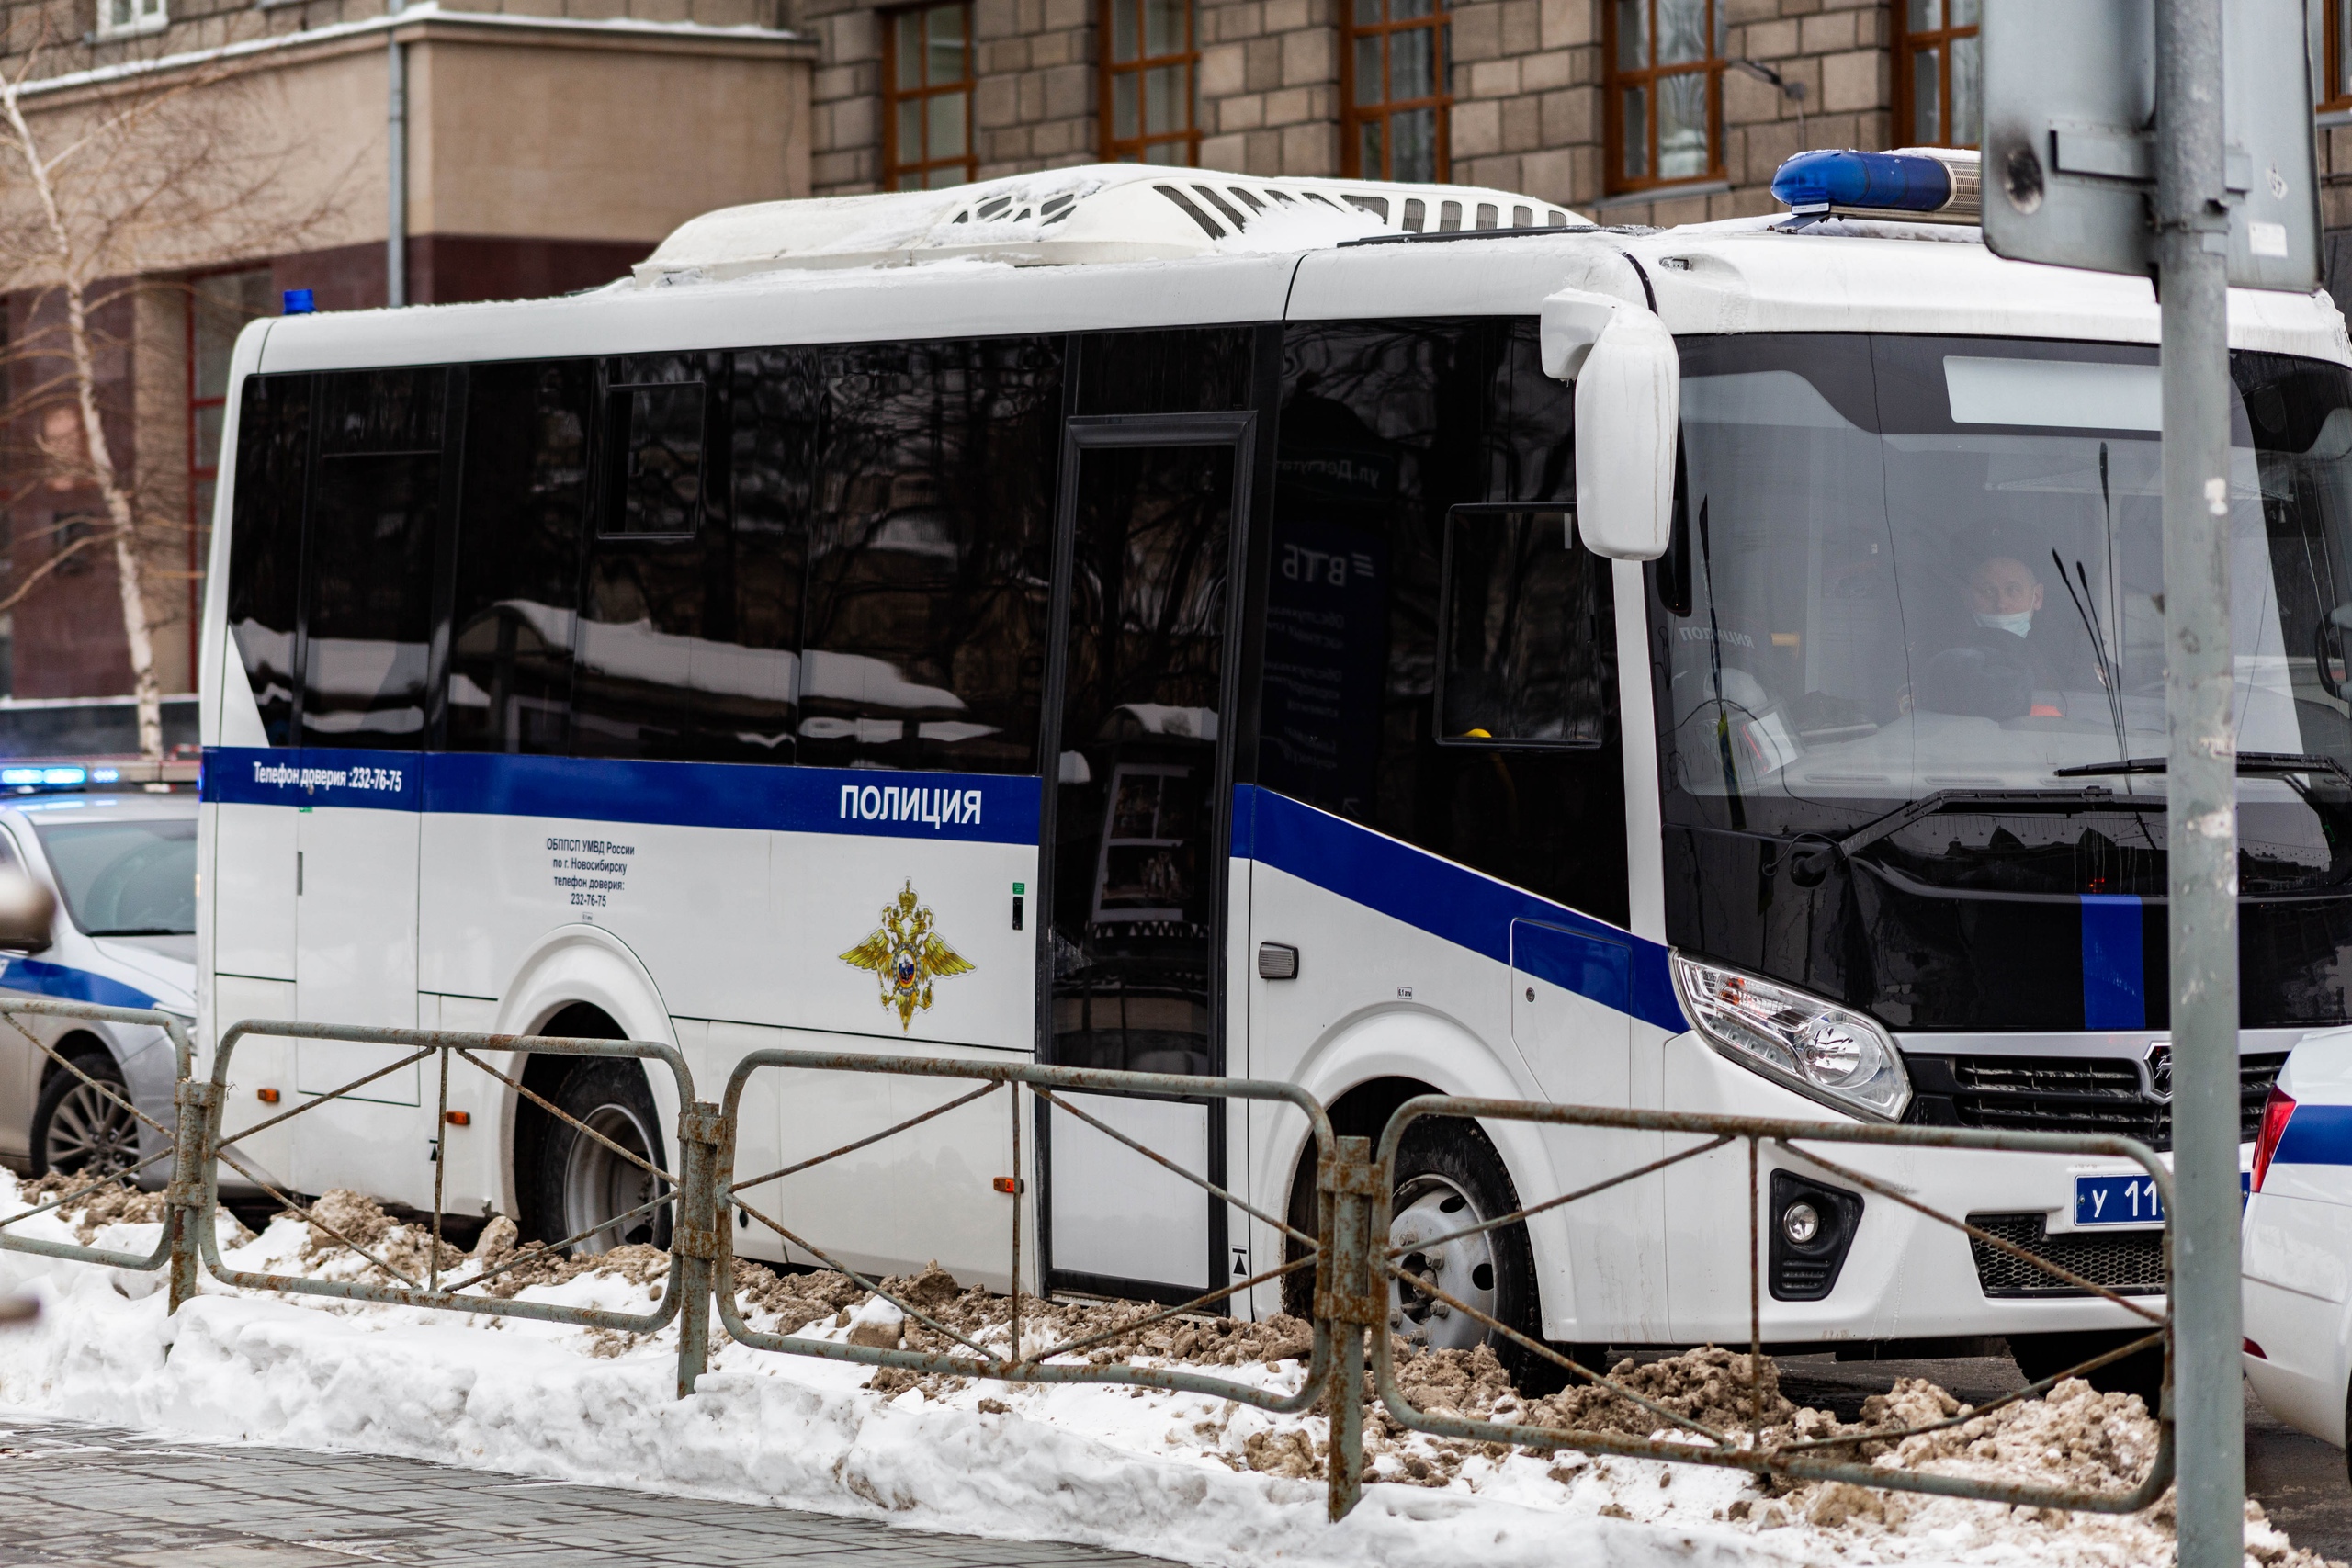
[[580, 1184], [77, 1129], [2039, 1355], [1449, 1177]]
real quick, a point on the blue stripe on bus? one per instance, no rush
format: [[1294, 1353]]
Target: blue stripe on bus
[[970, 807], [2316, 1134], [1463, 907], [2114, 987], [34, 977]]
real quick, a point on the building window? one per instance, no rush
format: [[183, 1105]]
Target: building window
[[1148, 78], [219, 306], [2334, 55], [927, 97], [1665, 113], [1936, 77], [1395, 128], [119, 19]]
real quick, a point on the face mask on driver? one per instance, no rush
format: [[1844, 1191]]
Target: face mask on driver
[[2018, 625]]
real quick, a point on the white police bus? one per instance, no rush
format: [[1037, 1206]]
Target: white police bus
[[1384, 637]]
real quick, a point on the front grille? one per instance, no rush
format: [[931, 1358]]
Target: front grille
[[2131, 1264], [2064, 1094]]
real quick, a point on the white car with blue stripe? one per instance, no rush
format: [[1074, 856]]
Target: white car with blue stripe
[[2297, 1241], [122, 868]]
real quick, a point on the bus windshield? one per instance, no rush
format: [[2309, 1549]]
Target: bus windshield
[[1906, 565]]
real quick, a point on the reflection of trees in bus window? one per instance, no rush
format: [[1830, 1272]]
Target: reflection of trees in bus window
[[367, 565], [523, 507], [1385, 427], [266, 540], [929, 528]]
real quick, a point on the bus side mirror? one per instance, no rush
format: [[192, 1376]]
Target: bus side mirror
[[26, 911], [1629, 393]]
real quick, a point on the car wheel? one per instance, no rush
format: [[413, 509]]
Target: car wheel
[[591, 1191], [78, 1128], [1450, 1179], [2039, 1355]]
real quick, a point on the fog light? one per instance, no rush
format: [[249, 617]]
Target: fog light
[[1801, 1223]]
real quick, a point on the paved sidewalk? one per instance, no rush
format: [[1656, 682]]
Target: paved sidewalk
[[90, 1496]]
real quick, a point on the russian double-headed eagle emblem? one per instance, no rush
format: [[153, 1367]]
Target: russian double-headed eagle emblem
[[905, 955]]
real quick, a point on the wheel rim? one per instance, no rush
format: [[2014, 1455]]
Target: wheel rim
[[90, 1134], [600, 1187], [1431, 1210]]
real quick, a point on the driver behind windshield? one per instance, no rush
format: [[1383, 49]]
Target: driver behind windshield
[[2015, 657]]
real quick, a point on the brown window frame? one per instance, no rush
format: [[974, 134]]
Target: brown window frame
[[1616, 82], [1118, 149], [896, 166], [1908, 43], [2335, 56], [1356, 112]]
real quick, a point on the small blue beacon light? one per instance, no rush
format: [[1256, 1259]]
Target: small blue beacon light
[[300, 302], [1889, 182]]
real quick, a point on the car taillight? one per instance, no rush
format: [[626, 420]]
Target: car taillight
[[2274, 1111]]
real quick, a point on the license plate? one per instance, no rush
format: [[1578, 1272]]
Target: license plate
[[2126, 1199], [2117, 1201]]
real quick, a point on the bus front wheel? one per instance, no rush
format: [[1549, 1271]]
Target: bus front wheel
[[593, 1180], [1449, 1181]]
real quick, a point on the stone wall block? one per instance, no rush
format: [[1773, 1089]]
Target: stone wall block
[[1825, 34], [1854, 81], [996, 19], [1569, 22], [1548, 175], [1523, 26], [1747, 100], [1477, 129], [1310, 150], [1292, 106], [854, 34], [1553, 68], [1309, 55], [1243, 112], [1070, 91], [1492, 79], [1287, 15], [1224, 152], [996, 102], [1262, 68], [1478, 31], [1769, 41], [1224, 71], [1522, 129]]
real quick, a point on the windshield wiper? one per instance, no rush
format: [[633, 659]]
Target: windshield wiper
[[141, 931], [1811, 853], [2259, 763]]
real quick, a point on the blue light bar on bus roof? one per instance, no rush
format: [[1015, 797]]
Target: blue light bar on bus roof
[[38, 778], [1817, 182]]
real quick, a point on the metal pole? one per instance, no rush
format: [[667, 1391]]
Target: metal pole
[[2192, 229], [396, 168]]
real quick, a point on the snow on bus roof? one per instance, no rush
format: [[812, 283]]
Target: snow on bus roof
[[1097, 212]]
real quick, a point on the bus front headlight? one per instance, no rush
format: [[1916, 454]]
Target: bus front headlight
[[1815, 1047]]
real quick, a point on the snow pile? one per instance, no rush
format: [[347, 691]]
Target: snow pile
[[1172, 1474]]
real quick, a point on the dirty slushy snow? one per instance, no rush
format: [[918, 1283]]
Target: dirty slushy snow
[[1173, 1476]]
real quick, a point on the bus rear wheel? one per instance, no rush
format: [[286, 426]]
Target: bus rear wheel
[[597, 1188]]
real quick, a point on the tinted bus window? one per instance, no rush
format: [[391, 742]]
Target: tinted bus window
[[657, 604], [1386, 428], [523, 511], [774, 454], [1182, 370], [375, 507], [929, 533], [266, 540]]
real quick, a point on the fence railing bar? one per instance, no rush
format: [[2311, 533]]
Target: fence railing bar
[[562, 1115], [440, 1172], [860, 1280], [316, 1101], [850, 1148], [2015, 1396], [539, 1249], [1521, 1215], [2044, 1264], [1754, 1298], [1537, 1347], [1211, 1188], [119, 1096], [308, 1218], [1072, 1346], [95, 1184]]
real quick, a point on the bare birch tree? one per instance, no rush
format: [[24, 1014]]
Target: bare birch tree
[[122, 183]]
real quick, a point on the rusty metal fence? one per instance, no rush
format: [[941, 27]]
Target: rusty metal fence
[[1015, 1362], [1362, 1275], [1372, 1275], [175, 1249]]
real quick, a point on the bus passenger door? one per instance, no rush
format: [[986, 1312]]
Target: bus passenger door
[[376, 508], [1134, 836]]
